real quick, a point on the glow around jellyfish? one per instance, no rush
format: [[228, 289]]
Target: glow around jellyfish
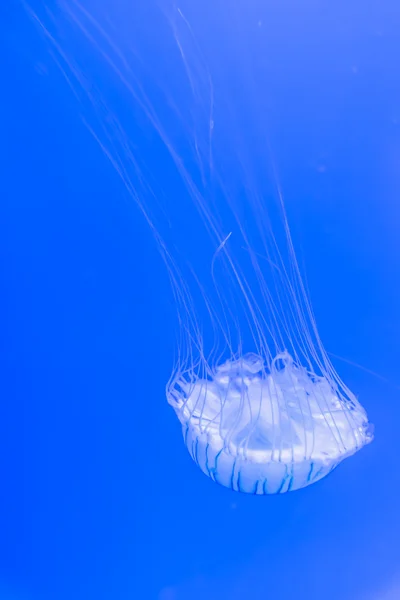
[[262, 409]]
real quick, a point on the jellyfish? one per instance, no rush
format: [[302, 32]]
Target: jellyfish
[[272, 420], [262, 409], [266, 428]]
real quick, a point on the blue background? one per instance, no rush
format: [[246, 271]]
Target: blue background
[[99, 498]]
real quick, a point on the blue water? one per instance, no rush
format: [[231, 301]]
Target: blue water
[[99, 498]]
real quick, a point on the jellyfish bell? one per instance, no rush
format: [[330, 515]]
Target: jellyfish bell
[[266, 429]]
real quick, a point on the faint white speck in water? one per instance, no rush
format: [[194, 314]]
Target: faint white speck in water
[[321, 168]]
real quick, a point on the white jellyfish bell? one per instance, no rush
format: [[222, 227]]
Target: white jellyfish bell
[[267, 429]]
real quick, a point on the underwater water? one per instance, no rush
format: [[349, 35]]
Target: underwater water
[[100, 498]]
